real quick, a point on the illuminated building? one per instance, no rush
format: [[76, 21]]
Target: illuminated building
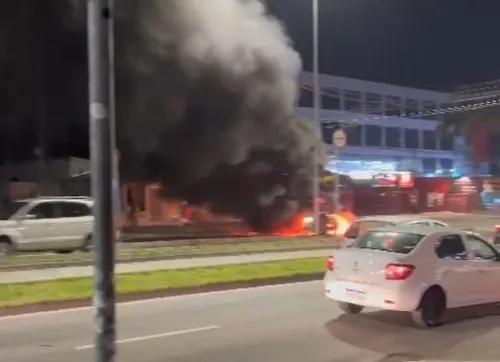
[[388, 127], [482, 129]]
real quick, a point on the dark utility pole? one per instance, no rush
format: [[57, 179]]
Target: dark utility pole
[[98, 18]]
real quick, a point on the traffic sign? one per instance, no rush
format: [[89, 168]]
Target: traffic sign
[[339, 138]]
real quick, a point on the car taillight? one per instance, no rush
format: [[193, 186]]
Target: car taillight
[[398, 271], [330, 263], [497, 228]]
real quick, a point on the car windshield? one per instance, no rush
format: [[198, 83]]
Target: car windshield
[[396, 242], [9, 209], [362, 226]]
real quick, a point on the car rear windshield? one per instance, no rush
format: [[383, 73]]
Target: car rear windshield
[[401, 243], [362, 226]]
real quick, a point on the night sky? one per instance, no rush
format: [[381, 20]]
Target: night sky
[[434, 44]]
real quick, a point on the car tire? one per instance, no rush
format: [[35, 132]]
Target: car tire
[[64, 251], [88, 244], [430, 310], [350, 308], [6, 246]]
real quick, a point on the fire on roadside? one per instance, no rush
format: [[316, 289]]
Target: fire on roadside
[[302, 224], [296, 227]]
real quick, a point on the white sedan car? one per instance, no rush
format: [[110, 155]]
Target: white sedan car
[[362, 224], [421, 270]]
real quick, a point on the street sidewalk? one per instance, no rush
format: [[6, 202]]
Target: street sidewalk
[[136, 267]]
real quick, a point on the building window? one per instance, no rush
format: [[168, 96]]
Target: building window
[[411, 138], [429, 140], [306, 99], [327, 130], [373, 104], [447, 142], [373, 135], [393, 136], [446, 164], [429, 107], [330, 98], [392, 106], [352, 101], [429, 165], [412, 107], [353, 135]]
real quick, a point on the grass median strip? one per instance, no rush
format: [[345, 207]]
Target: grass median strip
[[19, 294], [174, 250]]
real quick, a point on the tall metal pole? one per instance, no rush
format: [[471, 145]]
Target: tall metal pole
[[336, 195], [112, 118], [317, 106], [98, 15]]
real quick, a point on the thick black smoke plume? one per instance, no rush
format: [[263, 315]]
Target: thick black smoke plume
[[205, 94], [207, 105]]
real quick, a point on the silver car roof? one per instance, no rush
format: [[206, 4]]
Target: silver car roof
[[418, 229]]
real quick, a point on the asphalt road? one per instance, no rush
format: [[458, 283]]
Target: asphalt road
[[483, 223], [292, 323]]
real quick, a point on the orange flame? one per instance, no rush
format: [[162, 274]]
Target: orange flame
[[294, 228]]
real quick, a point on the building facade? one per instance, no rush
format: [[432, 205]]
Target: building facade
[[388, 127]]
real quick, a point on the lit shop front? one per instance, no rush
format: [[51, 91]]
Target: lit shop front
[[383, 192]]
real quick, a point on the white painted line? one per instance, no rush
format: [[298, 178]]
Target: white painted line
[[153, 336], [155, 300]]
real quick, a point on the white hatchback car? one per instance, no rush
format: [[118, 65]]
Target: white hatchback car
[[421, 270], [47, 224]]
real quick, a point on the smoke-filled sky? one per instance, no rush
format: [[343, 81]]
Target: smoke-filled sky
[[206, 88], [205, 98], [424, 43]]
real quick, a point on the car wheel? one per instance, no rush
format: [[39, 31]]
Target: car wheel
[[431, 309], [6, 247], [64, 251], [350, 308], [88, 244]]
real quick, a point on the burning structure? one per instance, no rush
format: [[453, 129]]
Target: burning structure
[[205, 96], [206, 102]]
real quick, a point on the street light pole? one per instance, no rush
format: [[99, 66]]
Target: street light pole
[[316, 109], [112, 119], [98, 16]]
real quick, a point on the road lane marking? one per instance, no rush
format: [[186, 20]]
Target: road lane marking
[[155, 300], [153, 336]]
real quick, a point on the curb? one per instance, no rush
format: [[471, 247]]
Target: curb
[[130, 297]]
